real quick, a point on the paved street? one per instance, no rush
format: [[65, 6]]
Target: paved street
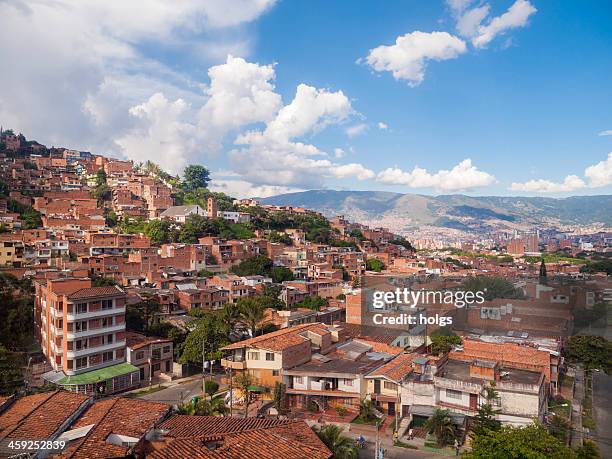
[[602, 407], [394, 452], [175, 394]]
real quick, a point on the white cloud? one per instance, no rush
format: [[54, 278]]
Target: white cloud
[[171, 134], [571, 183], [600, 174], [275, 156], [352, 170], [606, 132], [469, 22], [83, 63], [240, 93], [407, 58], [339, 152], [516, 16], [382, 126], [244, 189], [464, 176], [163, 133], [355, 130]]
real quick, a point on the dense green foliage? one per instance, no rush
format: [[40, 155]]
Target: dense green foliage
[[443, 339], [441, 426], [341, 447], [372, 264], [30, 218], [312, 302], [492, 287], [532, 441], [194, 177], [595, 352], [257, 265]]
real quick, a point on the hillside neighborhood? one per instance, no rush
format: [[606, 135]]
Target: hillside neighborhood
[[145, 315]]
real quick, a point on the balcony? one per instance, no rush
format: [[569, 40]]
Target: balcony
[[230, 362], [72, 335], [455, 384], [95, 314], [95, 349]]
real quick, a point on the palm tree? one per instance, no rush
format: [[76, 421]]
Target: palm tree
[[213, 407], [442, 427], [341, 447], [253, 312], [366, 410], [230, 315]]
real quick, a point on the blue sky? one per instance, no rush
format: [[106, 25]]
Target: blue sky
[[478, 97]]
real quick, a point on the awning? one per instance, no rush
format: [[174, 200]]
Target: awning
[[103, 374], [257, 389]]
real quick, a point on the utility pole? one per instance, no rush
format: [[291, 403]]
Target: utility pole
[[203, 367], [231, 392]]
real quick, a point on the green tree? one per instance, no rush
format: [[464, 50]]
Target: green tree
[[17, 312], [340, 446], [280, 397], [532, 441], [283, 238], [148, 309], [244, 381], [281, 274], [372, 264], [252, 312], [366, 410], [257, 265], [197, 226], [313, 302], [194, 177], [594, 351], [160, 232], [11, 376], [211, 388], [210, 334], [443, 339], [440, 424], [486, 418], [492, 287]]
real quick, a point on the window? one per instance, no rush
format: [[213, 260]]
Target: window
[[456, 394], [80, 344], [107, 356], [107, 322], [80, 326], [275, 372], [81, 308], [270, 356], [109, 339], [389, 385], [140, 355], [298, 380], [81, 362], [348, 382], [166, 349], [253, 355], [107, 304]]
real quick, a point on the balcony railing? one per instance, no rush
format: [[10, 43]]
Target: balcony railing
[[235, 364]]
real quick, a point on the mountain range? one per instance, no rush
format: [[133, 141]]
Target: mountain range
[[407, 212]]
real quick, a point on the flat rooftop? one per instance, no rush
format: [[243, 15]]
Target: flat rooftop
[[460, 370]]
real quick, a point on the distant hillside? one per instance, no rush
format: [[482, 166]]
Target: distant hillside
[[465, 213]]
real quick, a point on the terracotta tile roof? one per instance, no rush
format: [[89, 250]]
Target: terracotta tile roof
[[94, 292], [137, 340], [287, 440], [278, 340], [39, 416], [183, 426], [397, 368], [121, 416]]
